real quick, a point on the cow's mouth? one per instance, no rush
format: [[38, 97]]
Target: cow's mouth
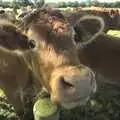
[[74, 103], [70, 104], [76, 100]]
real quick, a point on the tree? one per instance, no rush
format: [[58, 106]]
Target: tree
[[15, 6], [22, 2], [1, 2], [38, 3], [76, 4], [62, 5], [88, 3], [117, 4], [82, 4], [69, 4], [95, 3]]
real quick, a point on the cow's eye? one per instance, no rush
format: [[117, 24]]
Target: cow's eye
[[32, 43]]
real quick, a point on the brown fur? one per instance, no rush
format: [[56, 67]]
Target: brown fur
[[110, 22], [53, 35], [12, 39], [52, 64], [16, 39], [103, 56]]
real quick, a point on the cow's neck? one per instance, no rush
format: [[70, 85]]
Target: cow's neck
[[44, 58], [31, 58], [49, 59]]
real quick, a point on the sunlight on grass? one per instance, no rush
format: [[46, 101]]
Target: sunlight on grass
[[2, 93], [115, 33]]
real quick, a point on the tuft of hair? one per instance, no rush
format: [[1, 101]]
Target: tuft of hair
[[48, 27]]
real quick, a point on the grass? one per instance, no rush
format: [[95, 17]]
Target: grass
[[115, 33], [6, 110], [105, 105], [2, 93]]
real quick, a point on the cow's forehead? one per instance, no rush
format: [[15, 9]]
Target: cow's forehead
[[55, 28], [55, 13], [45, 16], [53, 18]]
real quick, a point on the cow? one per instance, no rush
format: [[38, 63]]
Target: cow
[[101, 55], [111, 18], [8, 15], [16, 39], [52, 63]]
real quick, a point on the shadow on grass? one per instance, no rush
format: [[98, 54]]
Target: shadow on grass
[[105, 105]]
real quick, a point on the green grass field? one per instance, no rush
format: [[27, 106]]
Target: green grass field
[[105, 105], [115, 33]]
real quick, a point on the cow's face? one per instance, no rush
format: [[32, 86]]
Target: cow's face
[[16, 39], [72, 85], [68, 82]]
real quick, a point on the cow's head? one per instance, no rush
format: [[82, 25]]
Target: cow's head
[[16, 39], [68, 81]]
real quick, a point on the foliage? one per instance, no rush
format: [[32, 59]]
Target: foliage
[[62, 5], [95, 3], [44, 108], [86, 4], [38, 3], [7, 111]]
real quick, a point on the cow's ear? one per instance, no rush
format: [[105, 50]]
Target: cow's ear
[[87, 29]]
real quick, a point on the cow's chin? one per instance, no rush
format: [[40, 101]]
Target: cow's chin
[[73, 104], [73, 100], [70, 103]]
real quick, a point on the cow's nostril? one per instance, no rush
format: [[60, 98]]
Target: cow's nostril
[[32, 43], [65, 83]]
